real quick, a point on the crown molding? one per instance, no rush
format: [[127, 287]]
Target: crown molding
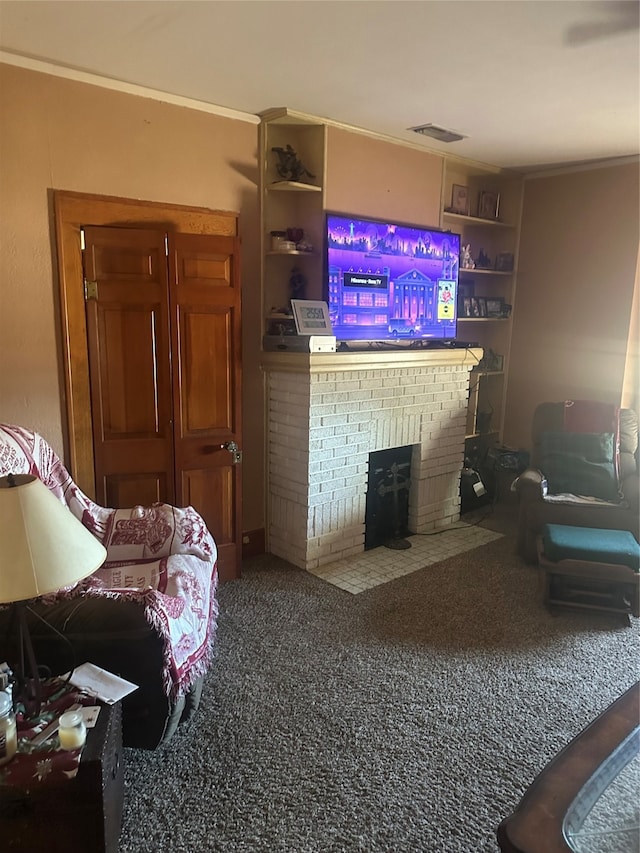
[[31, 64], [588, 166]]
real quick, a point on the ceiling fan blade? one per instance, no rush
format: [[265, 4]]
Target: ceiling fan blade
[[582, 33], [622, 17]]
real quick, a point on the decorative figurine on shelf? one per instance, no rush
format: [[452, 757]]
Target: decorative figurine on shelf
[[289, 166], [304, 245], [295, 235], [297, 284], [483, 261], [467, 262]]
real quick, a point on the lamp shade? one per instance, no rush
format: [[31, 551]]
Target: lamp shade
[[43, 546]]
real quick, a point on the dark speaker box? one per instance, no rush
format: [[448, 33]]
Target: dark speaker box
[[83, 813]]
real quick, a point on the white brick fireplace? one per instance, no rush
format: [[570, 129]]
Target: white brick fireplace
[[327, 412]]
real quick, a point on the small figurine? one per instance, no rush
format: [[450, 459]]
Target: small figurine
[[297, 284], [483, 260], [289, 167], [467, 261]]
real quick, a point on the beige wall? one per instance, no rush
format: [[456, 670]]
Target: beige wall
[[61, 134], [577, 262], [576, 273], [373, 177]]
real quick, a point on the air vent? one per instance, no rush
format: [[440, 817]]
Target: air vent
[[439, 133]]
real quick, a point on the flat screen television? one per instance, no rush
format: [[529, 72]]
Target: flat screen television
[[386, 281]]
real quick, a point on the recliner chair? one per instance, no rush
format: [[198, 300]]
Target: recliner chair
[[148, 614], [583, 471]]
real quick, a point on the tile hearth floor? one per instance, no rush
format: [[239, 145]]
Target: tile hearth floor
[[381, 565]]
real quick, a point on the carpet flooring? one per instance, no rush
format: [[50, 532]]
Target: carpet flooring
[[409, 717]]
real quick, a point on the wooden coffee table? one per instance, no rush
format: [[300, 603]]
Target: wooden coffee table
[[554, 809]]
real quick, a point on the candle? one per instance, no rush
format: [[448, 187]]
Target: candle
[[72, 731], [8, 734]]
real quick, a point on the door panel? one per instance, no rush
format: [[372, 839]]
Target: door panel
[[212, 489], [204, 299], [129, 392], [129, 364], [124, 490], [207, 397]]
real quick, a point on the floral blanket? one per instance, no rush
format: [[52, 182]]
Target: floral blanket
[[161, 556]]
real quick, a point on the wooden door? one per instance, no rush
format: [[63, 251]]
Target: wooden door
[[164, 343], [204, 299], [126, 292]]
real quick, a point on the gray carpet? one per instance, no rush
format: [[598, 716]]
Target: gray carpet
[[408, 718]]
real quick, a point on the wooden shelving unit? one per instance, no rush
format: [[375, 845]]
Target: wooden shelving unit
[[301, 204], [494, 237], [290, 204]]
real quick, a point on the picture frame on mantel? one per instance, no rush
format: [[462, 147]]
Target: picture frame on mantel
[[488, 203]]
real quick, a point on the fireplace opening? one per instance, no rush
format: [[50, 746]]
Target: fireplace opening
[[387, 500]]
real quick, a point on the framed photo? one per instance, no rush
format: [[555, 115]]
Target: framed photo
[[488, 202], [495, 306], [460, 199], [482, 305], [504, 262], [475, 307], [312, 318]]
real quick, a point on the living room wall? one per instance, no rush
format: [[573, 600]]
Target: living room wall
[[62, 134], [577, 262], [372, 177], [576, 276]]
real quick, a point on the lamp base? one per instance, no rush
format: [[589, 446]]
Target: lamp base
[[26, 675]]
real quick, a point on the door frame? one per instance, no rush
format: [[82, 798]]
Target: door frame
[[74, 210]]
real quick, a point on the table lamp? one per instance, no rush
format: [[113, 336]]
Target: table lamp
[[43, 548]]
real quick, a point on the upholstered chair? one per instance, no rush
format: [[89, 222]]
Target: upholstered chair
[[148, 614], [583, 471]]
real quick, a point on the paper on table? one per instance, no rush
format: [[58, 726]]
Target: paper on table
[[103, 685]]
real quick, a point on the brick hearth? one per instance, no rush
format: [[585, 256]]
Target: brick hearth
[[327, 412]]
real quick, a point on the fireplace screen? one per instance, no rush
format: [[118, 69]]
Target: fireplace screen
[[387, 506]]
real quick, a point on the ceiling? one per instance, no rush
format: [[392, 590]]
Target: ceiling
[[533, 84]]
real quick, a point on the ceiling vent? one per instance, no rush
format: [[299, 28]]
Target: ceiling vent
[[439, 133]]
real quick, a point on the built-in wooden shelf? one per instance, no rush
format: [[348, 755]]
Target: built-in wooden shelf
[[292, 252], [294, 186], [475, 220], [465, 271]]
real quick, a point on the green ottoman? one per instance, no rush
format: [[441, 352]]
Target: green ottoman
[[587, 567]]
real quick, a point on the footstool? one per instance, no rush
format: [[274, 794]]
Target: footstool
[[592, 568]]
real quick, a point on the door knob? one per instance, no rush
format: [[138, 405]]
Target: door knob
[[235, 452]]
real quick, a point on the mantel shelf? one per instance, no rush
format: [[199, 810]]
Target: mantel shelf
[[337, 362]]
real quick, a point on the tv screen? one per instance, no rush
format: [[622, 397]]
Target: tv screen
[[387, 282]]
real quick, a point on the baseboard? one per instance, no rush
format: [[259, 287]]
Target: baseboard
[[253, 543]]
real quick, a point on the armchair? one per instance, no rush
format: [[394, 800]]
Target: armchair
[[572, 441], [148, 614]]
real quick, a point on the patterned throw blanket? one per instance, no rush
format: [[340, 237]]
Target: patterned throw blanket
[[160, 556]]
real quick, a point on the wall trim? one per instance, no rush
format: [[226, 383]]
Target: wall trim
[[119, 86], [589, 166]]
